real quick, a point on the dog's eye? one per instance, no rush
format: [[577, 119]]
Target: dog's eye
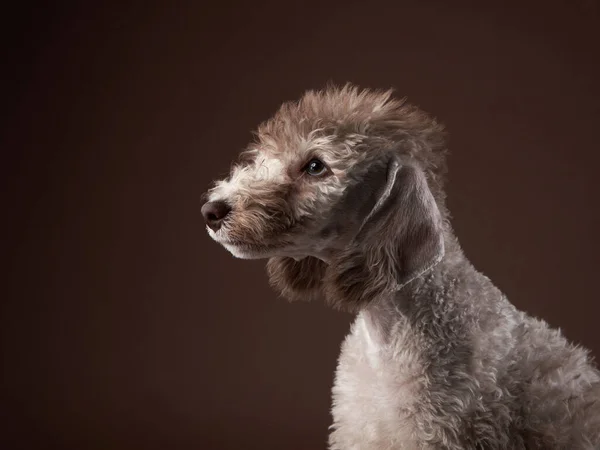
[[315, 168]]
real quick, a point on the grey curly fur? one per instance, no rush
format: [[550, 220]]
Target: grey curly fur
[[437, 357]]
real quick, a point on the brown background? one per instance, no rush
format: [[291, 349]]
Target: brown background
[[125, 327]]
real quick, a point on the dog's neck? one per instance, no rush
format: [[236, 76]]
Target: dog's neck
[[414, 297]]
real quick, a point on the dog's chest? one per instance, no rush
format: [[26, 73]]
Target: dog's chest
[[375, 391]]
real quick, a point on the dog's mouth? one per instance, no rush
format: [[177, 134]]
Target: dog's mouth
[[221, 236]]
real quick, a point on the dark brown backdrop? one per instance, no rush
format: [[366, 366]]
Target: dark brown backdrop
[[125, 327]]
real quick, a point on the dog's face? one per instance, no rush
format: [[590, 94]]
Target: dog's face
[[335, 193], [287, 198]]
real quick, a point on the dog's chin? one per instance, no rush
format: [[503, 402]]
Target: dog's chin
[[243, 250]]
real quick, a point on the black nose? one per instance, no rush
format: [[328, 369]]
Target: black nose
[[214, 213]]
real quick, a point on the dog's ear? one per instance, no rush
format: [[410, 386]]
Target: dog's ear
[[296, 279], [401, 239]]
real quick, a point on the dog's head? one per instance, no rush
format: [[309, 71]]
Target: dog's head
[[342, 192]]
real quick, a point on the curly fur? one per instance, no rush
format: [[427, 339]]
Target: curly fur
[[437, 357]]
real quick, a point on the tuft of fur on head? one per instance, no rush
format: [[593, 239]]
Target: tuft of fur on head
[[348, 111]]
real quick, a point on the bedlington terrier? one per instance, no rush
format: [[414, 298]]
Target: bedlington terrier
[[342, 192]]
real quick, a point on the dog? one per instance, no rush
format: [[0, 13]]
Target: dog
[[343, 193]]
